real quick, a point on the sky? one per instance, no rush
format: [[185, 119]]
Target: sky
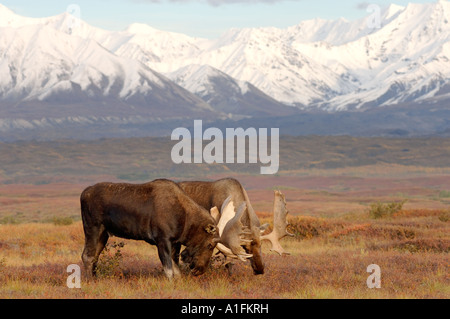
[[200, 18]]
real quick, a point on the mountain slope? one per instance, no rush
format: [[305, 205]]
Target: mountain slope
[[407, 60], [226, 94]]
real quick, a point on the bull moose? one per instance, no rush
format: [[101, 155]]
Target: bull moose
[[215, 193], [158, 212]]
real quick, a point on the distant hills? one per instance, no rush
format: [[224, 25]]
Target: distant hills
[[144, 159]]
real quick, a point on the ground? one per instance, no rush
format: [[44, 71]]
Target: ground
[[332, 212]]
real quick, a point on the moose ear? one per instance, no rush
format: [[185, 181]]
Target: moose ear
[[210, 229]]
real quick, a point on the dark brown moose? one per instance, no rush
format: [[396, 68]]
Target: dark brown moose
[[159, 213]]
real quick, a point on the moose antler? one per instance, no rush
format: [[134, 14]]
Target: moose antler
[[279, 224], [232, 232], [227, 212], [215, 214]]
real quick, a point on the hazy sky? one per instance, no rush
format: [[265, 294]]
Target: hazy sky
[[202, 18]]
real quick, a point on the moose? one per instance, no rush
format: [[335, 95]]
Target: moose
[[226, 193], [159, 213]]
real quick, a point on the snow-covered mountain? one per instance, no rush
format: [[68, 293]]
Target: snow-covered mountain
[[43, 64], [335, 65], [60, 67]]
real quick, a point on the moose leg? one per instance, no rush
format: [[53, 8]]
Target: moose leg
[[229, 267], [95, 242], [176, 259], [176, 253], [165, 255], [256, 260]]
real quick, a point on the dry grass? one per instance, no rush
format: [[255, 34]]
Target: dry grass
[[329, 257]]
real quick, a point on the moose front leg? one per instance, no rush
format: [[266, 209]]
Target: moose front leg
[[176, 259], [165, 255], [229, 267]]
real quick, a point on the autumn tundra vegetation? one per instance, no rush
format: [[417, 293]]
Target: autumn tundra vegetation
[[342, 218]]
